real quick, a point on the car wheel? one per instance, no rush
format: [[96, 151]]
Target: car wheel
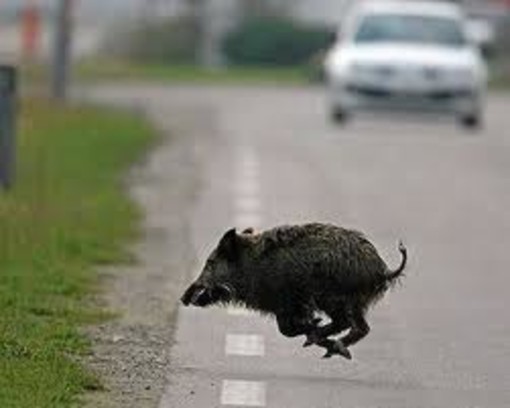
[[339, 116], [471, 121]]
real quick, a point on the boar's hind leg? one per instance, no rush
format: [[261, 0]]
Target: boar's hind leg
[[359, 327]]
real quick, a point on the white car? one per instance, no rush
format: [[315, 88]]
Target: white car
[[408, 55]]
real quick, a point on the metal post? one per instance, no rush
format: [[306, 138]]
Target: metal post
[[212, 28], [62, 50], [8, 99]]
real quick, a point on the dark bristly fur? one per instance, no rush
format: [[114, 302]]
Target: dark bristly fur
[[296, 273]]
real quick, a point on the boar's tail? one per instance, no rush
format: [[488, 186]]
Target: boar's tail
[[397, 273]]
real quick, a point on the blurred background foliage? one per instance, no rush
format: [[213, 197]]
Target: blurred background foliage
[[255, 41], [275, 41], [167, 40]]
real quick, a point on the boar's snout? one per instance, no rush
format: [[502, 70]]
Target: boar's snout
[[200, 295], [194, 295]]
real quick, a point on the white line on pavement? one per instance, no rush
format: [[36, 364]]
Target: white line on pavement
[[247, 345], [243, 393], [247, 204], [246, 189], [248, 156], [243, 221], [247, 213]]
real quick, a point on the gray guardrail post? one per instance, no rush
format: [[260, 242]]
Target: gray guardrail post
[[8, 101]]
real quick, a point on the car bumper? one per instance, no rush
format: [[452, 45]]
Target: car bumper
[[354, 97]]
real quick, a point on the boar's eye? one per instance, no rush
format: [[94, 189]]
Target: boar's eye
[[210, 264]]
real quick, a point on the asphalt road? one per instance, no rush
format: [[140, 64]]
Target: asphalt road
[[441, 339]]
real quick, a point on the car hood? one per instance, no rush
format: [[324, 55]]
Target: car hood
[[406, 54]]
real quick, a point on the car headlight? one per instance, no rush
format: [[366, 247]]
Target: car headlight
[[362, 69], [358, 68], [372, 72], [463, 75]]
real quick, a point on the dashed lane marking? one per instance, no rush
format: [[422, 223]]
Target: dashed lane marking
[[246, 345], [243, 393], [247, 155], [246, 188], [247, 204], [247, 221], [247, 213]]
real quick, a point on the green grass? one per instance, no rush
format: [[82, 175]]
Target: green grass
[[500, 75], [66, 213], [113, 70], [500, 83], [109, 70]]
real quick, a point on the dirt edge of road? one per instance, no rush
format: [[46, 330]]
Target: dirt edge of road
[[131, 353]]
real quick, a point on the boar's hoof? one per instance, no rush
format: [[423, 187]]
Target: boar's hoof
[[337, 347], [313, 337]]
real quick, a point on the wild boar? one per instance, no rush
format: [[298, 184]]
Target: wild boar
[[296, 274]]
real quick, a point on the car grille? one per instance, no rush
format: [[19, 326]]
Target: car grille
[[382, 93]]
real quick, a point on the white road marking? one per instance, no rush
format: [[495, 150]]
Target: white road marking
[[248, 164], [247, 204], [248, 345], [247, 213], [247, 168], [247, 155], [247, 220], [246, 190], [243, 393], [250, 171]]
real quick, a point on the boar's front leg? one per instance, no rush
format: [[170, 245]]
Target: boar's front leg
[[359, 328], [338, 324]]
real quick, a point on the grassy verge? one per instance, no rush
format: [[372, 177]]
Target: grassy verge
[[108, 70], [500, 83], [66, 213], [500, 75]]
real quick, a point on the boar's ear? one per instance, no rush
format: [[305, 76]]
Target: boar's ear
[[229, 244]]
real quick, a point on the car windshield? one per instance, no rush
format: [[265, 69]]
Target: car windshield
[[410, 29]]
